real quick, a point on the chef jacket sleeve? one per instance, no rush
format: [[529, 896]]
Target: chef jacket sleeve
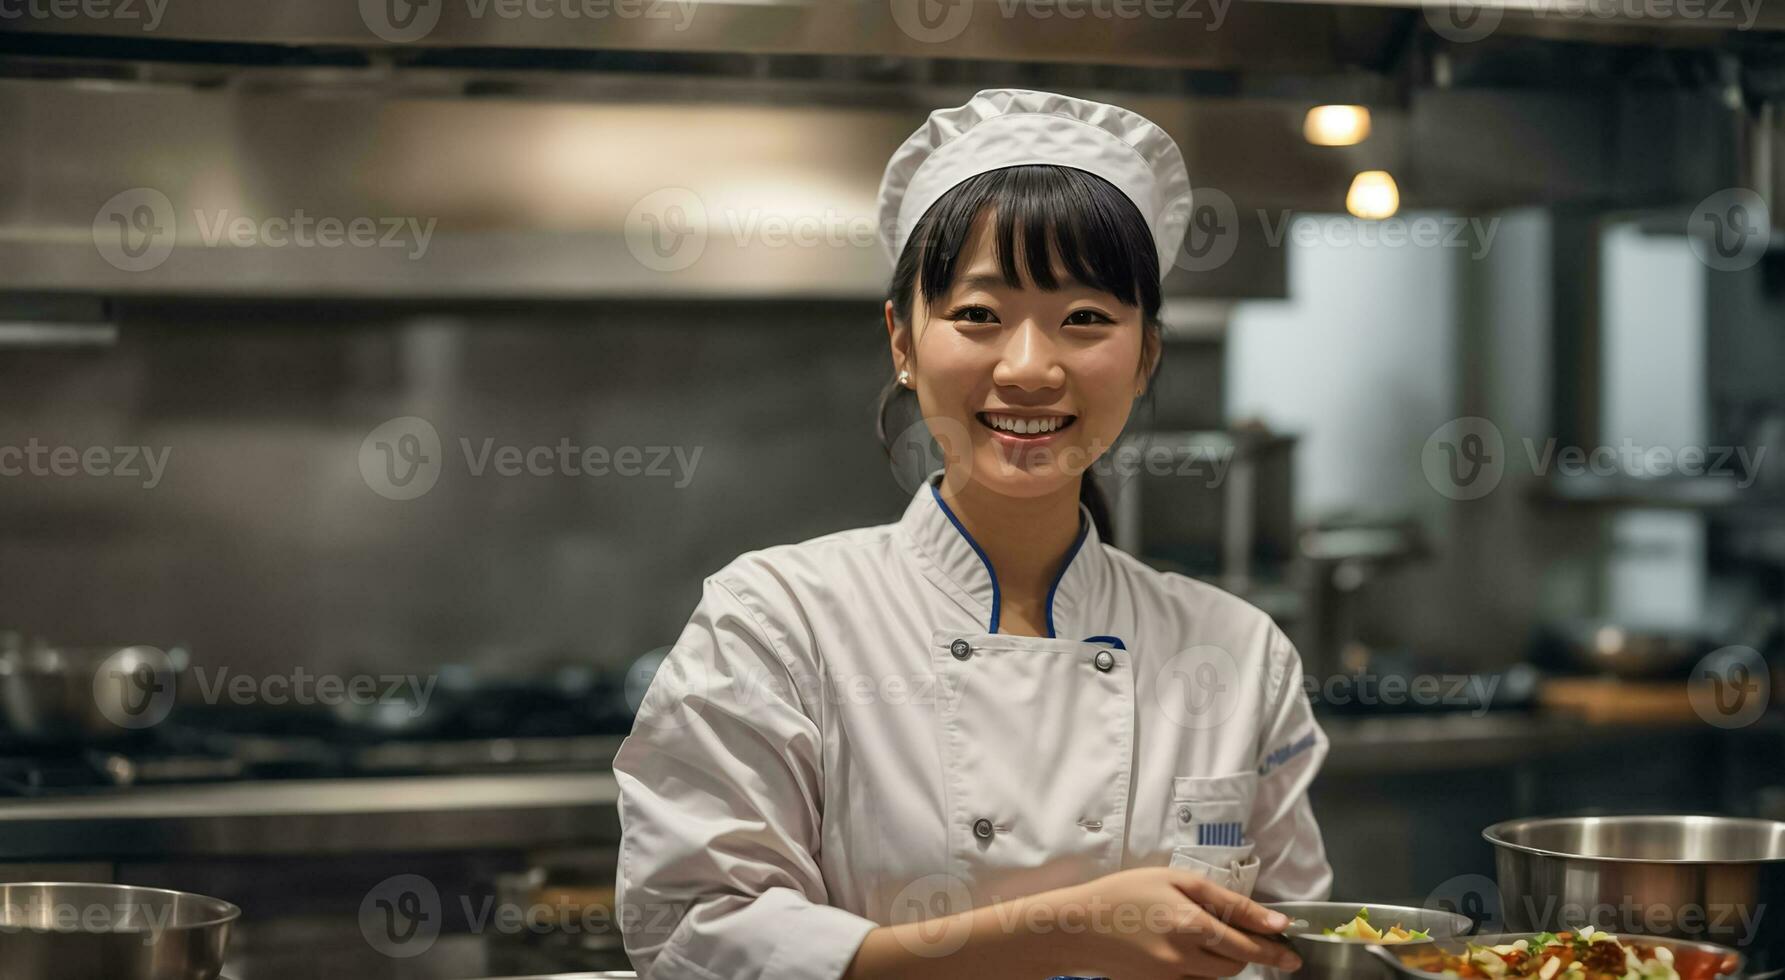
[[720, 804], [1292, 858]]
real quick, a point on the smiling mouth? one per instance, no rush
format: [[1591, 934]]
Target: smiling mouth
[[1025, 426]]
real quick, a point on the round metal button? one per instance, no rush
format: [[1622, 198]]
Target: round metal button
[[982, 828], [961, 649], [1105, 660], [1184, 814]]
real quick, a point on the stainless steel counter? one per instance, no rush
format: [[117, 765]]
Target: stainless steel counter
[[299, 817], [1383, 745]]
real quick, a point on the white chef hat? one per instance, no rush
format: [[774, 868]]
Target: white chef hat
[[1008, 127]]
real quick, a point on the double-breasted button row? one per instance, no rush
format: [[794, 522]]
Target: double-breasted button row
[[1104, 661]]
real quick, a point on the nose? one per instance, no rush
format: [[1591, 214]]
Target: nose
[[1030, 360]]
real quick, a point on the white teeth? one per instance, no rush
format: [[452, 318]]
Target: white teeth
[[1025, 425]]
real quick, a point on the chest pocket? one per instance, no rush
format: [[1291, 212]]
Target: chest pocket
[[1209, 817]]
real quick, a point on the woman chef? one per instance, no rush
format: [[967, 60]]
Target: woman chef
[[979, 742]]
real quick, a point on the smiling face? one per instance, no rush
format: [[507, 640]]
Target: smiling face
[[1022, 387]]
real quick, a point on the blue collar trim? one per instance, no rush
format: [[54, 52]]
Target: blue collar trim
[[1071, 553], [996, 604]]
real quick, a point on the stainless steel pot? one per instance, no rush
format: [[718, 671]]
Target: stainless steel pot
[[1710, 879], [1332, 958], [1687, 955], [55, 930], [87, 694]]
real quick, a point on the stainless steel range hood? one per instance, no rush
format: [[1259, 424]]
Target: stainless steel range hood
[[1262, 35], [480, 152]]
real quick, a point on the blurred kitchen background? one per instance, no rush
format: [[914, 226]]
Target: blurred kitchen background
[[1523, 227]]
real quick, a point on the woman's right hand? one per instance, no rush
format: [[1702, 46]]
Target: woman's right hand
[[1147, 923]]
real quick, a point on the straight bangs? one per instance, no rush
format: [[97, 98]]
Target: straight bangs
[[1043, 212]]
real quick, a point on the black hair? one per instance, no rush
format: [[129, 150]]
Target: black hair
[[1095, 230]]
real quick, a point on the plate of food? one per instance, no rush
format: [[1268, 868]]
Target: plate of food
[[1576, 954], [1334, 938]]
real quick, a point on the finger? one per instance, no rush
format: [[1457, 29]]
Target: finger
[[1201, 963], [1201, 929], [1232, 907]]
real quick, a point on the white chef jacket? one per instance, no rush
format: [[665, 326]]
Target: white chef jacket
[[842, 738]]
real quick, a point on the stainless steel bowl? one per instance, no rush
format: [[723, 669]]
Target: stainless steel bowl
[[1332, 958], [56, 930], [1710, 879], [1687, 955]]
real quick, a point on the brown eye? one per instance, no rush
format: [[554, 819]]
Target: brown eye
[[1089, 318], [971, 314]]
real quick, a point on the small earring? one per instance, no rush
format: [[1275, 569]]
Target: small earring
[[905, 379]]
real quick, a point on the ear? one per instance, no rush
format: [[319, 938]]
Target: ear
[[1151, 349], [898, 338]]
